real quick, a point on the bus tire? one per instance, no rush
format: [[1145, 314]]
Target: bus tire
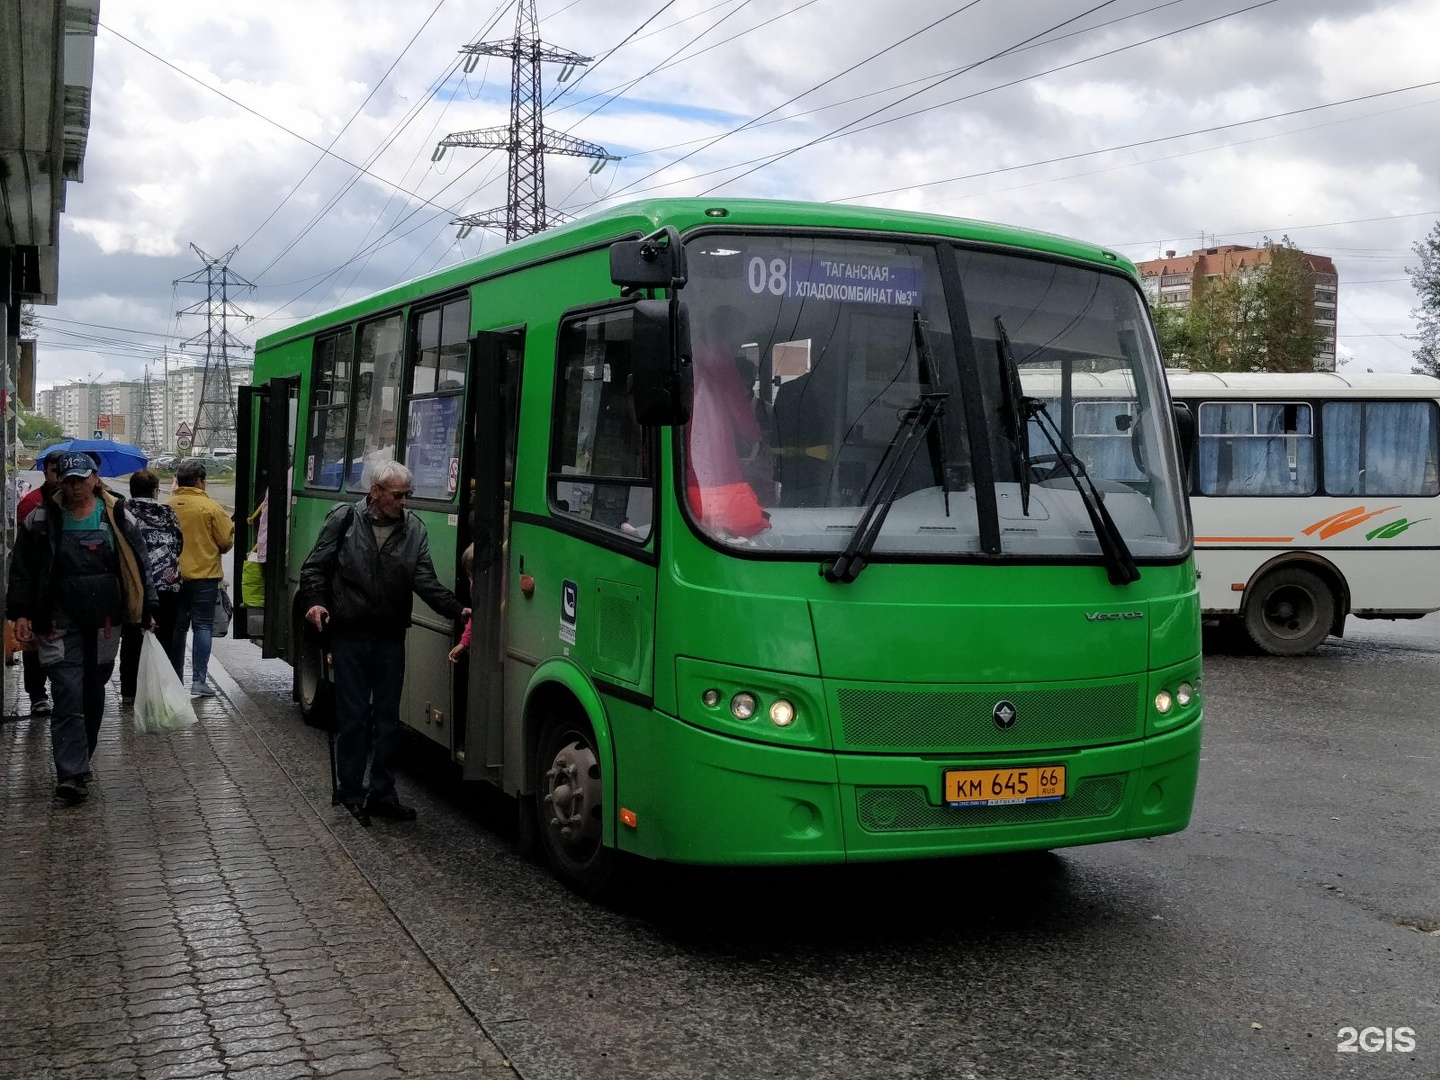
[[1289, 611], [569, 805], [314, 694]]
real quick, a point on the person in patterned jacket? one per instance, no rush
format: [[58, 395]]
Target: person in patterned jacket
[[163, 539]]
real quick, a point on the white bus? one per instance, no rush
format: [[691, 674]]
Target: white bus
[[1314, 496]]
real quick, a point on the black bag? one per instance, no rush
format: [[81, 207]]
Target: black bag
[[224, 611]]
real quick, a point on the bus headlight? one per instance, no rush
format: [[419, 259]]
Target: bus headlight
[[782, 713], [710, 698], [743, 705], [1184, 694], [1163, 702]]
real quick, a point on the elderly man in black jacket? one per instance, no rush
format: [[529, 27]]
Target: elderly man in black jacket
[[356, 584], [79, 573]]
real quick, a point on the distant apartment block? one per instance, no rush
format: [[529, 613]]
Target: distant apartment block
[[1176, 279], [121, 410]]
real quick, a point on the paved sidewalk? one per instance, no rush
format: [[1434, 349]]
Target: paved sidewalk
[[196, 918]]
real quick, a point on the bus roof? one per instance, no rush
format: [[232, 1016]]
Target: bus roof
[[1251, 384], [639, 218]]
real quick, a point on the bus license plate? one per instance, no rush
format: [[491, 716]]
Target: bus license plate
[[1004, 787]]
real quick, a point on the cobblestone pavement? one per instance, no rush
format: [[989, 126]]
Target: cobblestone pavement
[[196, 918]]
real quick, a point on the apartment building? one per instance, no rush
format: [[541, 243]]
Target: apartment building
[[1177, 279], [122, 412]]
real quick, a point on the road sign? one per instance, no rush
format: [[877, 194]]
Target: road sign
[[184, 431], [182, 442], [99, 434]]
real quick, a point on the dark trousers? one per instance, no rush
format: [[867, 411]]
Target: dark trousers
[[79, 664], [34, 674], [368, 678], [132, 637]]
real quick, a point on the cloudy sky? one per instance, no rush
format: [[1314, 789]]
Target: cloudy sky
[[1143, 125]]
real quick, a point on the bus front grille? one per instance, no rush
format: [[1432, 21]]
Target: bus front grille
[[889, 809], [942, 720]]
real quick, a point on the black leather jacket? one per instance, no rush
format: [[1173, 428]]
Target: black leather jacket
[[365, 588]]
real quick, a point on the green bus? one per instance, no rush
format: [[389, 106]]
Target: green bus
[[776, 560]]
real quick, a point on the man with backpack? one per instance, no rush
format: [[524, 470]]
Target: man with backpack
[[355, 587]]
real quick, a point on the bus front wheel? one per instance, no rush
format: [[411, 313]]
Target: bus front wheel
[[1289, 612], [569, 805]]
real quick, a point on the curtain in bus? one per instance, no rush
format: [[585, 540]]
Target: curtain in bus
[[1380, 448], [1249, 448]]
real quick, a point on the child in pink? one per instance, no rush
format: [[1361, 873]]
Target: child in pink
[[467, 560]]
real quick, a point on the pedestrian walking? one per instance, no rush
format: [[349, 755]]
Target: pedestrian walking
[[208, 534], [79, 573], [355, 589], [164, 541], [34, 673]]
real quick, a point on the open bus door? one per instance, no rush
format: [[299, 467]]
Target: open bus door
[[264, 466], [488, 472]]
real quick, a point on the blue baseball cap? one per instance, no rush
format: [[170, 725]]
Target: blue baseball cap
[[73, 463]]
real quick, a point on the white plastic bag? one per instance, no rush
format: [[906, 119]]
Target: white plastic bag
[[161, 701]]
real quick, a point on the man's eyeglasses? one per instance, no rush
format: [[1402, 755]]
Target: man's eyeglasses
[[402, 495]]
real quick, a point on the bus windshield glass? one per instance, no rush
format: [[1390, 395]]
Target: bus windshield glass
[[812, 356]]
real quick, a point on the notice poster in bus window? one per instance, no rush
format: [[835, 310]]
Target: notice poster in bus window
[[432, 442]]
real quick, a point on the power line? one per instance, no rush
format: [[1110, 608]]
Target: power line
[[841, 132], [953, 75], [804, 93], [1140, 142], [261, 116], [373, 91]]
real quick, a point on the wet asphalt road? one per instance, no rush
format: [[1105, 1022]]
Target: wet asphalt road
[[1303, 899]]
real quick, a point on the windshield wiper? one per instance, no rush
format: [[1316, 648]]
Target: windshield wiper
[[1012, 396], [1119, 563], [935, 439], [915, 424], [1020, 410]]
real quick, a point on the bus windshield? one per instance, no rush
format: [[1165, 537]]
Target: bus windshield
[[813, 356]]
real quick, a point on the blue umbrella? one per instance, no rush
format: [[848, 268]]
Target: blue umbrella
[[116, 459]]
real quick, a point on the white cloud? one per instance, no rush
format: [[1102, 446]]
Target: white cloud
[[171, 163]]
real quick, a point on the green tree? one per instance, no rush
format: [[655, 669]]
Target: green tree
[[1172, 329], [1259, 319], [1283, 305], [1425, 280], [39, 431], [29, 324]]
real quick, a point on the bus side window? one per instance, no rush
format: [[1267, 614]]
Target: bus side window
[[600, 470]]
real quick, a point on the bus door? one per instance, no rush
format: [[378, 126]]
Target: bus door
[[263, 478], [486, 481]]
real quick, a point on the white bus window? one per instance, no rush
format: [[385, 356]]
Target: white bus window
[[1375, 448], [1256, 448]]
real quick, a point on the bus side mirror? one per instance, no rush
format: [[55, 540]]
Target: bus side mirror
[[1185, 437], [662, 379], [656, 262]]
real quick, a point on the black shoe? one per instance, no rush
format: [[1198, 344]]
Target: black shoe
[[392, 809], [357, 811], [72, 790]]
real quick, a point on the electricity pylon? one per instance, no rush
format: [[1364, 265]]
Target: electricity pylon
[[525, 140], [215, 409], [152, 434]]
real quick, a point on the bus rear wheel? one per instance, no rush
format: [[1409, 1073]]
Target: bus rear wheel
[[1289, 612], [569, 805], [315, 696]]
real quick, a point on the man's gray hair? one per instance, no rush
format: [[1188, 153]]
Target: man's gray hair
[[390, 473], [189, 470]]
